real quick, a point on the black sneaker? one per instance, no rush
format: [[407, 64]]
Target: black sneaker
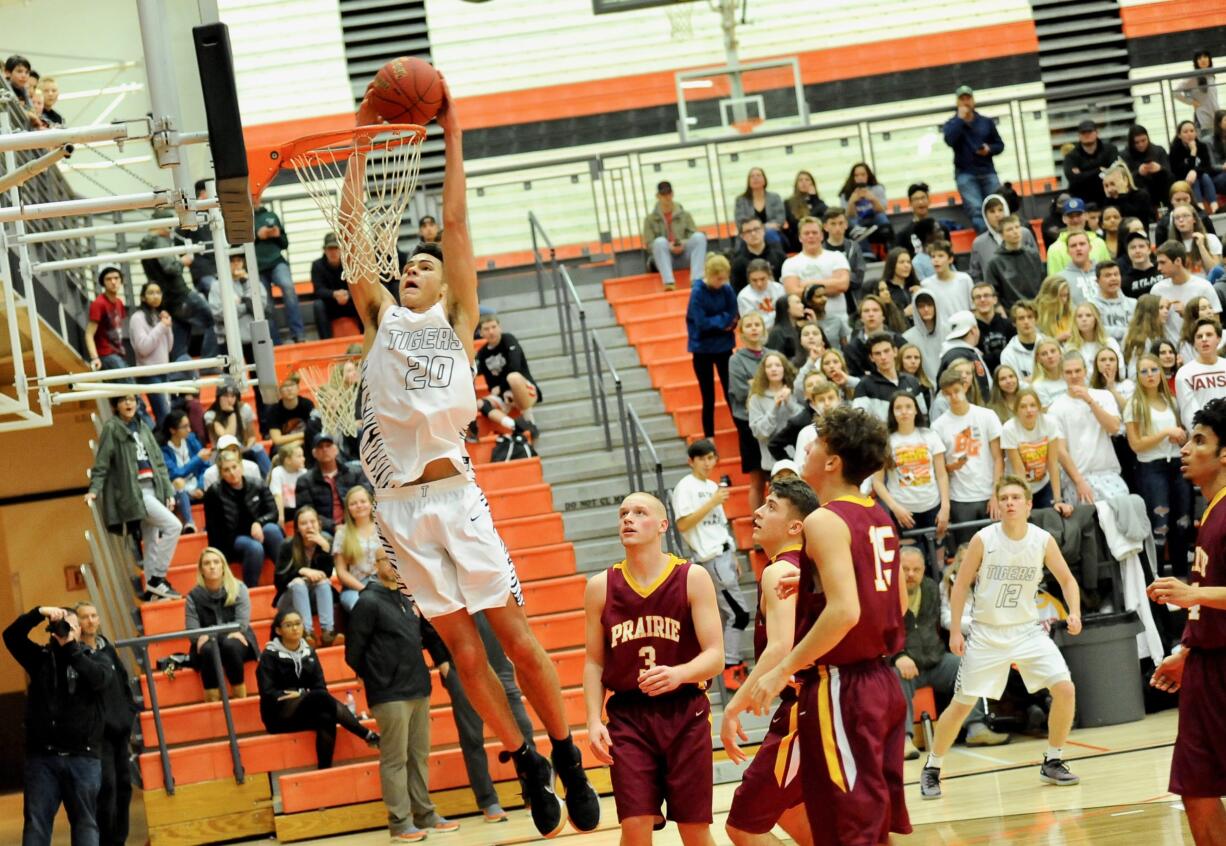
[[930, 783], [161, 589], [536, 786], [1056, 772], [582, 803]]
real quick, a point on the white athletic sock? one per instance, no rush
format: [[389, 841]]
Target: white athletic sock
[[1054, 753], [935, 760], [507, 424]]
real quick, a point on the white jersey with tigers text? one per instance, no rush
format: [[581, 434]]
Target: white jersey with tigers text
[[419, 397], [1009, 576]]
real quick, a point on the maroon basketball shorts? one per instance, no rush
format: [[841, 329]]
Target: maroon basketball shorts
[[1198, 767], [770, 784], [852, 730], [662, 752]]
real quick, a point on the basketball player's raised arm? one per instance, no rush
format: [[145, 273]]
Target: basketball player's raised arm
[[1055, 563], [967, 572], [704, 613], [370, 298], [593, 667], [780, 628], [457, 243]]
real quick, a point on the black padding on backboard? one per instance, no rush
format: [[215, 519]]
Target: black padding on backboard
[[216, 63]]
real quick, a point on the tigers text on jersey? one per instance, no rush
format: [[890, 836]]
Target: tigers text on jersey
[[646, 626], [1009, 576], [418, 397]]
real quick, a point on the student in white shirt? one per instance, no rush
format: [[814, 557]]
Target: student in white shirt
[[813, 264], [1156, 433], [1019, 352], [288, 465], [1087, 419], [761, 294], [1048, 380], [698, 503], [1032, 451], [971, 434], [913, 485], [951, 288], [1107, 376], [1179, 286], [1203, 378], [823, 398]]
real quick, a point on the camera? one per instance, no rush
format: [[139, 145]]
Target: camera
[[725, 481], [59, 628]]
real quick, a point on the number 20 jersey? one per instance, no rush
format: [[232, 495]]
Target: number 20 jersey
[[419, 397], [646, 625], [1009, 576]]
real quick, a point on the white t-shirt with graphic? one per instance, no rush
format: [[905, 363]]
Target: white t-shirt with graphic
[[912, 480], [970, 435], [1032, 446], [813, 268], [283, 482], [708, 537]]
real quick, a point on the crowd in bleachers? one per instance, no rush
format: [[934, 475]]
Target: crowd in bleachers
[[1073, 350], [36, 94]]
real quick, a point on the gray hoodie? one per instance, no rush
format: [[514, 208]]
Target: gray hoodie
[[929, 343], [741, 368], [989, 241]]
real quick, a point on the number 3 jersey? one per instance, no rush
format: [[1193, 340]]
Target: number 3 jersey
[[419, 397], [1009, 576], [646, 625]]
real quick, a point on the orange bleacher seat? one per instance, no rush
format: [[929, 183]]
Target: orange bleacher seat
[[185, 687], [166, 615], [742, 531], [658, 304], [1036, 225], [924, 701], [646, 329], [624, 287], [666, 347], [540, 529], [671, 371], [962, 240], [689, 419], [525, 501], [509, 474]]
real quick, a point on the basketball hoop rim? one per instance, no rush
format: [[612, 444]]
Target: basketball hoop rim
[[340, 144]]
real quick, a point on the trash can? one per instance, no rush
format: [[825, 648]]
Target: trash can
[[1104, 664]]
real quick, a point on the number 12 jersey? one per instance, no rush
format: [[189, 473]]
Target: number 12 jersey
[[1009, 576]]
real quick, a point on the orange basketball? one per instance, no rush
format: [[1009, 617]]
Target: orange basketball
[[406, 90]]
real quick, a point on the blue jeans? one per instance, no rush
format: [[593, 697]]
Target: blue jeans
[[280, 276], [298, 596], [183, 506], [1168, 496], [256, 453], [74, 781], [1203, 189], [974, 187], [251, 553], [694, 254], [349, 597], [192, 315], [1043, 498]]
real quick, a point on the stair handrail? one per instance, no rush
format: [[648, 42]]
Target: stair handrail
[[140, 645], [600, 398], [634, 472], [566, 298]]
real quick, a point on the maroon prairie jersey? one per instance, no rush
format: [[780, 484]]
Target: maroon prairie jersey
[[790, 554], [874, 556], [1206, 627], [646, 625]]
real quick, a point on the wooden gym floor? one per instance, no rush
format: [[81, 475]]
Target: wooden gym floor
[[991, 796]]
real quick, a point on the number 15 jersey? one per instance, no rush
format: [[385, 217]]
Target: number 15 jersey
[[646, 625], [1009, 576], [419, 397]]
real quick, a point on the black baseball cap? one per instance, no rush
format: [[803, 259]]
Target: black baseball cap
[[664, 187], [1135, 236], [1087, 125]]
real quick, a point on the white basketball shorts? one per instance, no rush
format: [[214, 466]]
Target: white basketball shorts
[[991, 650], [441, 538]]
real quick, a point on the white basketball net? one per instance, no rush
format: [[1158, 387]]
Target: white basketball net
[[680, 19], [368, 237], [335, 392]]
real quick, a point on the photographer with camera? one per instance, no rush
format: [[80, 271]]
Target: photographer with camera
[[64, 721]]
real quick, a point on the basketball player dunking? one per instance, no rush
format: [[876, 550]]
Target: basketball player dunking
[[769, 792], [851, 714], [654, 640], [432, 517], [1198, 670]]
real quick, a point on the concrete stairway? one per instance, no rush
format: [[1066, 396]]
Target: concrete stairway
[[588, 481]]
